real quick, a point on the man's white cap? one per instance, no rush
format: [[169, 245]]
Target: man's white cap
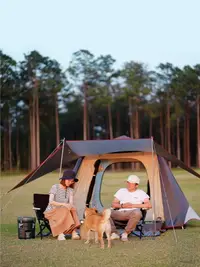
[[134, 179]]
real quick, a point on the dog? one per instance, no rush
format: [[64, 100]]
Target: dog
[[98, 223]]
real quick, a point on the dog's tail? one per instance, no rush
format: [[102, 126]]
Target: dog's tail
[[106, 215]]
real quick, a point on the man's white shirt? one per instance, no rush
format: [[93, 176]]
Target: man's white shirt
[[136, 197]]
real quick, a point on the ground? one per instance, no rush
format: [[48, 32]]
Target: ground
[[160, 251]]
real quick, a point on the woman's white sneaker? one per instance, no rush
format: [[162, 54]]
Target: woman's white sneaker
[[61, 237]]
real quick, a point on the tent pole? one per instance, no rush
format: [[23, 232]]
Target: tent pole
[[61, 159], [153, 167]]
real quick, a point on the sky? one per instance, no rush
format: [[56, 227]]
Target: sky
[[149, 31]]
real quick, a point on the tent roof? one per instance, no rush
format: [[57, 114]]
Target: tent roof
[[77, 149]]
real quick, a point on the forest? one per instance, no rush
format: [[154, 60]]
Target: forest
[[42, 103]]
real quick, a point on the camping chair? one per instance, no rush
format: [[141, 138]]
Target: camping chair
[[40, 202], [139, 228]]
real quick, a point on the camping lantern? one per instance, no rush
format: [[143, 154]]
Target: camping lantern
[[26, 227]]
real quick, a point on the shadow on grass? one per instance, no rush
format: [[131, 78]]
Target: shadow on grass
[[12, 229]]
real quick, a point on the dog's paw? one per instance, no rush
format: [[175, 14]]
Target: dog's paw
[[87, 242]]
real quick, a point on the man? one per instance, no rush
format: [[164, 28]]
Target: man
[[126, 207]]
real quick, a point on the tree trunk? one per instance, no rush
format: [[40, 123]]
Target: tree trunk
[[130, 116], [136, 124], [6, 147], [57, 121], [31, 135], [150, 126], [136, 132], [110, 121], [119, 165], [7, 142], [178, 147], [88, 126], [185, 140], [161, 130], [32, 132], [187, 136], [110, 128], [85, 117], [118, 124], [10, 143], [93, 125], [198, 131], [17, 147], [130, 112], [168, 131], [37, 118]]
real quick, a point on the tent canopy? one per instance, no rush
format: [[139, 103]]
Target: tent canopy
[[74, 150]]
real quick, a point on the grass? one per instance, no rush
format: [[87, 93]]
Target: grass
[[160, 251]]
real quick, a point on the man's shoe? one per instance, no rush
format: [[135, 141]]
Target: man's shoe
[[75, 236], [124, 237], [114, 236]]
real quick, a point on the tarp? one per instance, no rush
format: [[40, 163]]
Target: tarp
[[77, 149]]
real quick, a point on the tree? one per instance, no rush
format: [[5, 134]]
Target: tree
[[9, 87], [137, 80], [197, 70], [82, 74], [102, 92], [53, 82], [165, 76], [31, 75]]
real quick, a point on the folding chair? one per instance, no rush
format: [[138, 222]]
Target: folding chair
[[139, 227], [40, 202]]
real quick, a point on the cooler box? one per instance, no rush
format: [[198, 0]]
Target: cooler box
[[26, 227]]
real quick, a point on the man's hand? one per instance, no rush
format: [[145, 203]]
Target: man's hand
[[127, 205], [147, 205]]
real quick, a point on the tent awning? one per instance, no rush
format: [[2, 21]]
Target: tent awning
[[77, 149]]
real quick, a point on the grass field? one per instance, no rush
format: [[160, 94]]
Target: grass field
[[160, 251]]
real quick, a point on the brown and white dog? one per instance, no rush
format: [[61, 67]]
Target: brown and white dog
[[98, 223]]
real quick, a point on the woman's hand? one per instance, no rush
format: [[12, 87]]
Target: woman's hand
[[67, 205]]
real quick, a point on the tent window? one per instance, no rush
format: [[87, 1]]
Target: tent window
[[96, 168]]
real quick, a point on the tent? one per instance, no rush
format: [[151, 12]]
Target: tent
[[92, 158]]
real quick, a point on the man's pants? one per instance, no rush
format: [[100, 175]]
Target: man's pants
[[132, 216]]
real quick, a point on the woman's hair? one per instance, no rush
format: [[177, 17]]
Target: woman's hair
[[62, 182]]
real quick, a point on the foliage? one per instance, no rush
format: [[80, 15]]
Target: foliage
[[96, 80]]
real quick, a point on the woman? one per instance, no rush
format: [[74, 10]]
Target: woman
[[60, 211]]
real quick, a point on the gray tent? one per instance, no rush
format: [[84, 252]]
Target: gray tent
[[93, 157]]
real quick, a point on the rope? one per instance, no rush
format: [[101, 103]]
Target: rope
[[16, 192]]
